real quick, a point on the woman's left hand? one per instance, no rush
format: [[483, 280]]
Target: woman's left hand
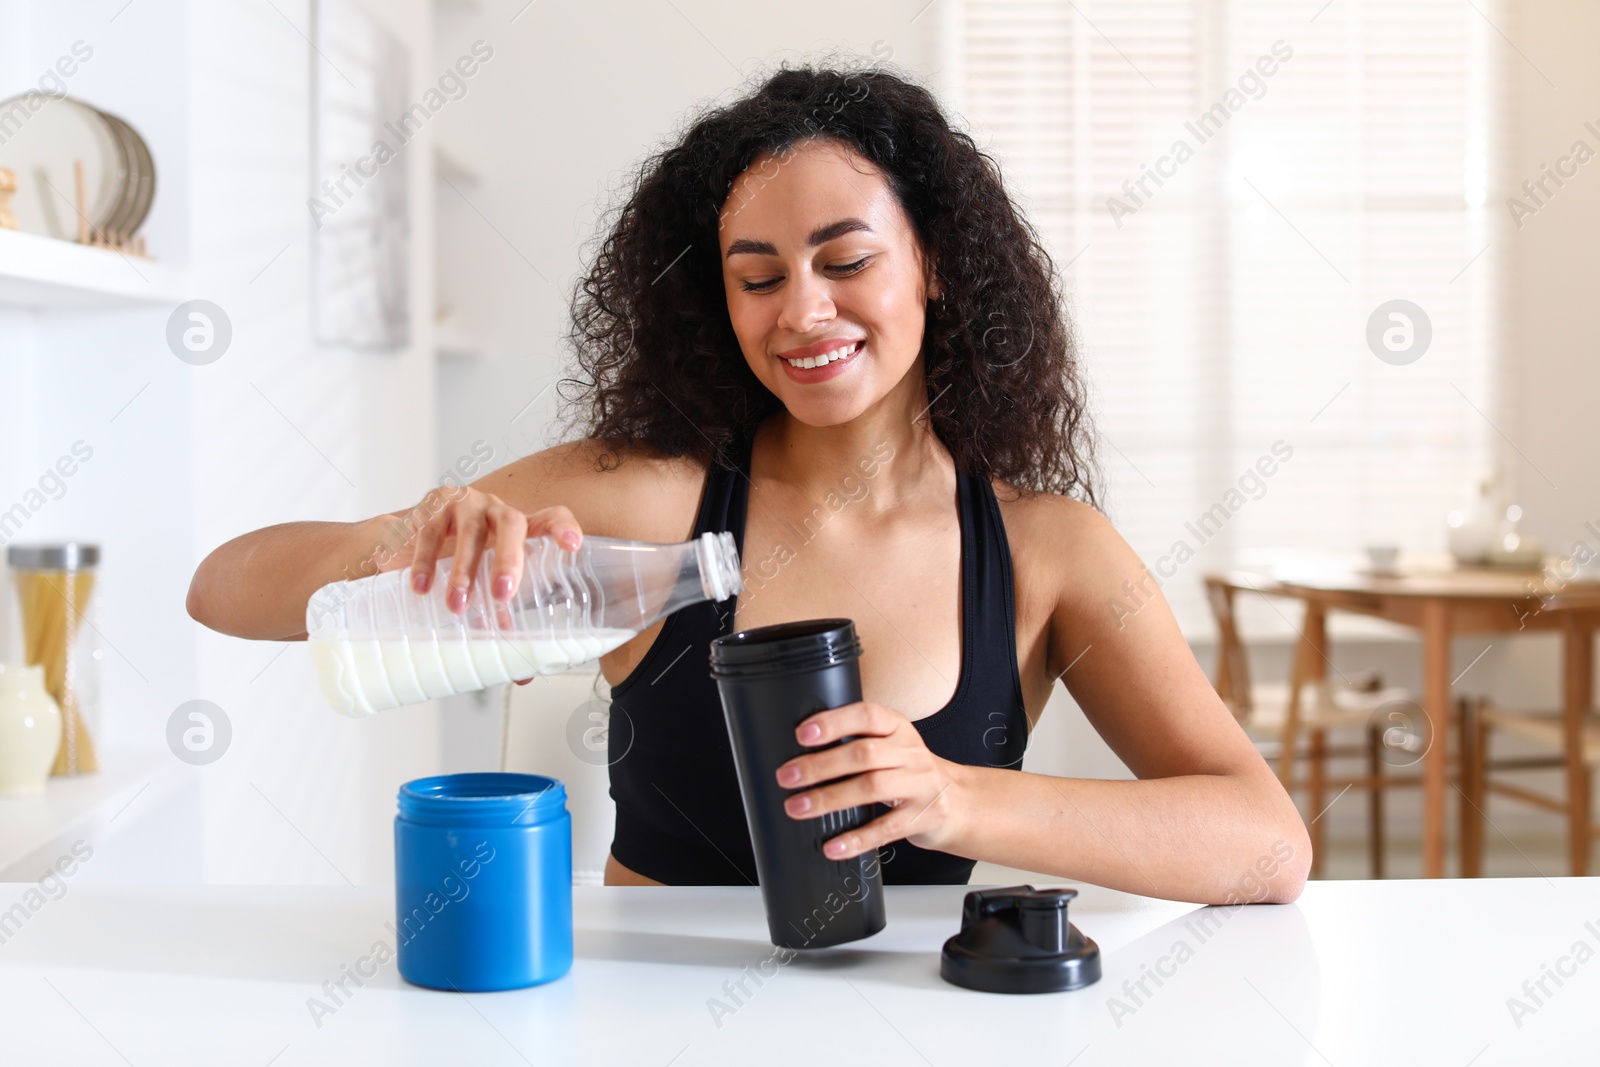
[[888, 762]]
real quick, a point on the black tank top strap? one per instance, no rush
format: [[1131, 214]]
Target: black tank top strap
[[680, 817], [985, 723], [989, 640]]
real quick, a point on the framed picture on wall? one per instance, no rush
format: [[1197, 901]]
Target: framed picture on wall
[[359, 201]]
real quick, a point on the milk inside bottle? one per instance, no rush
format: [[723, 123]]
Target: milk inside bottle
[[378, 644]]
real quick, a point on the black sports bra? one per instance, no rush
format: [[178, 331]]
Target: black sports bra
[[680, 818]]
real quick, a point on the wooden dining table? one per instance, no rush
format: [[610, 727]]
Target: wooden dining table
[[1442, 601]]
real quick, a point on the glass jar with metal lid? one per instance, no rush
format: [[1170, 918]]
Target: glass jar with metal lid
[[55, 585]]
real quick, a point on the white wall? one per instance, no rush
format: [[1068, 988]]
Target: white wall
[[1552, 285], [1556, 265], [1552, 435], [574, 98], [354, 438], [221, 93]]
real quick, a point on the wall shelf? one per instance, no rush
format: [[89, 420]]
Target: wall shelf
[[51, 274], [35, 829]]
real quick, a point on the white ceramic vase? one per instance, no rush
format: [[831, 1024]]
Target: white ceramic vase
[[30, 730]]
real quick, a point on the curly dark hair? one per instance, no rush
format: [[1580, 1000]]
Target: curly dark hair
[[661, 364]]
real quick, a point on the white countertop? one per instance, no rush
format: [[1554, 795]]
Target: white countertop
[[1354, 973]]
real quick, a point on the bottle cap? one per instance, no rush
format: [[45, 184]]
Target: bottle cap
[[719, 565], [1018, 940]]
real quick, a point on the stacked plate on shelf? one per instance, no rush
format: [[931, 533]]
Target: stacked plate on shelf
[[40, 139]]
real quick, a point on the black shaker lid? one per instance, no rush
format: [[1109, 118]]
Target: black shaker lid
[[1018, 940], [808, 644]]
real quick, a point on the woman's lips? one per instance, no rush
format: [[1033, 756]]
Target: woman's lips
[[812, 375]]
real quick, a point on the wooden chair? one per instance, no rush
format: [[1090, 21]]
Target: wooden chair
[[1572, 736], [1276, 716]]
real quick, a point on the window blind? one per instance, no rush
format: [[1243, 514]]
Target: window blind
[[1233, 189]]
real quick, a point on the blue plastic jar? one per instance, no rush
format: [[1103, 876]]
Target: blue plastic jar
[[483, 881]]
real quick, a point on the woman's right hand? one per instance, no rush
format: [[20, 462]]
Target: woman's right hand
[[463, 522]]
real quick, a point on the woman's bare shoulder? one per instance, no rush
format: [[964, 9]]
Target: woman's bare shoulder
[[1058, 541], [630, 491], [1034, 516]]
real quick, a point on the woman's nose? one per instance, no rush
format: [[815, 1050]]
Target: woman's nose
[[806, 303]]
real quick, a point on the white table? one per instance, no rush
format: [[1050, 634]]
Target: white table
[[1354, 973]]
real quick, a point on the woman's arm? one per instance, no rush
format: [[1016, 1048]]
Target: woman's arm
[[1206, 821], [1210, 839], [256, 585]]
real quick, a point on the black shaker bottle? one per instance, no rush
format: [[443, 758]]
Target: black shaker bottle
[[770, 679]]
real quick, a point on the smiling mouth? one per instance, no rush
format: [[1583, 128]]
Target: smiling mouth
[[835, 356]]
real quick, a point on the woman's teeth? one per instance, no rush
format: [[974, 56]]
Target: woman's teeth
[[818, 361]]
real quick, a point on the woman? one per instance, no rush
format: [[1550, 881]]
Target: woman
[[817, 322]]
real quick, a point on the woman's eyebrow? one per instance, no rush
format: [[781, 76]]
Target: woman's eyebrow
[[821, 235]]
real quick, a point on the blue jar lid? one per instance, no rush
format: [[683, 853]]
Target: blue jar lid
[[489, 798]]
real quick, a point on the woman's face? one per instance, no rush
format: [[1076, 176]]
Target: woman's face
[[818, 257]]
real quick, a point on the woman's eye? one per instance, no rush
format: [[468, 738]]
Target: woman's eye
[[842, 270]]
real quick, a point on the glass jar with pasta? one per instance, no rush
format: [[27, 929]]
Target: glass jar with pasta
[[55, 583]]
